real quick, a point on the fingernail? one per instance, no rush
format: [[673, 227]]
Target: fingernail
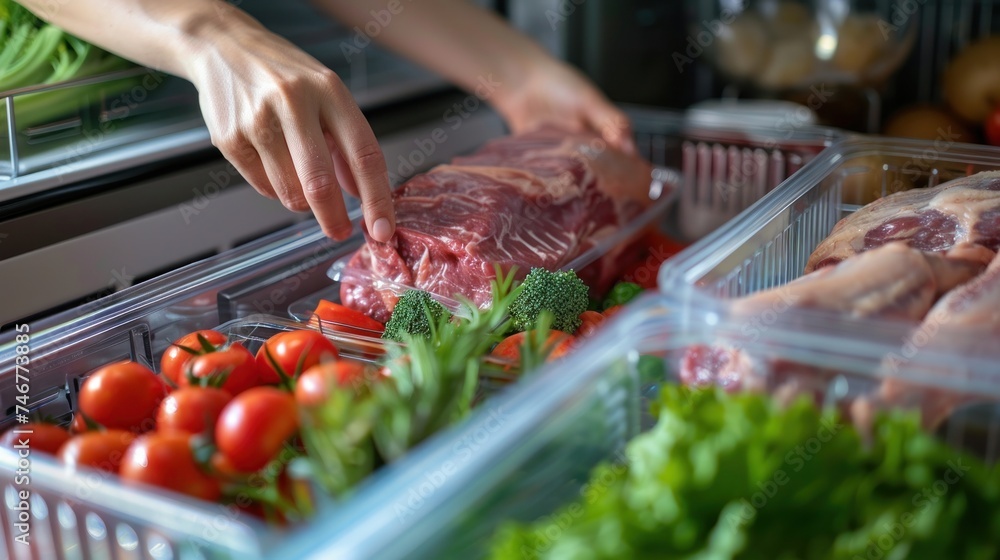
[[381, 230]]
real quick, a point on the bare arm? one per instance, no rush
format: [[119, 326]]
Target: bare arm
[[285, 121], [471, 46]]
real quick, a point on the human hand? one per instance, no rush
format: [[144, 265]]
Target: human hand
[[290, 126], [554, 93]]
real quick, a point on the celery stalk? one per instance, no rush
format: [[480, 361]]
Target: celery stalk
[[34, 64]]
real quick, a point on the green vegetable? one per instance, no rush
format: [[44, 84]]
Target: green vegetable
[[562, 294], [432, 384], [735, 476], [33, 52], [622, 293], [414, 315]]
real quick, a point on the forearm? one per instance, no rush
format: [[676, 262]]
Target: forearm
[[455, 38], [160, 34]]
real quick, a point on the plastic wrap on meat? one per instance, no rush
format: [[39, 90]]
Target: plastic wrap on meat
[[533, 200], [963, 211], [891, 282], [966, 321]]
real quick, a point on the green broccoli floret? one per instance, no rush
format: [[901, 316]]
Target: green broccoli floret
[[413, 315], [562, 294], [622, 293]]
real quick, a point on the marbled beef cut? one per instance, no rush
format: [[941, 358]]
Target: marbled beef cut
[[532, 200], [965, 210]]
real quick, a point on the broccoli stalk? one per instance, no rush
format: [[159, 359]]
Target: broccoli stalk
[[413, 315], [562, 294]]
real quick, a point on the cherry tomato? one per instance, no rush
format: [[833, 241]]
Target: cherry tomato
[[44, 437], [295, 352], [166, 460], [173, 364], [561, 347], [254, 426], [339, 318], [235, 363], [123, 396], [591, 320], [992, 127], [192, 410], [102, 450], [317, 383], [510, 348]]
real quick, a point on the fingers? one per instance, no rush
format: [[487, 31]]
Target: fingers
[[613, 125], [344, 176], [246, 160], [316, 174], [281, 171], [364, 162]]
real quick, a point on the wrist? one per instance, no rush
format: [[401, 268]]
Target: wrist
[[520, 76], [208, 33]]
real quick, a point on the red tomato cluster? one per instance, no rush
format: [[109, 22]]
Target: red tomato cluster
[[216, 414]]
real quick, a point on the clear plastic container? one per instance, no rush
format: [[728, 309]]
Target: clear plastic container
[[663, 190], [531, 450], [105, 518], [768, 244], [266, 276], [714, 157], [95, 512]]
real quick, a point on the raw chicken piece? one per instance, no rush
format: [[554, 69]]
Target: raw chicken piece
[[965, 210], [891, 282], [967, 322], [532, 200]]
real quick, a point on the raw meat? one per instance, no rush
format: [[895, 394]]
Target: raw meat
[[891, 282], [533, 200], [965, 210], [965, 322]]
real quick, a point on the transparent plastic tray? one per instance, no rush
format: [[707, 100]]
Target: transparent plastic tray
[[91, 514], [747, 161], [768, 244], [97, 514], [663, 189], [531, 449]]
